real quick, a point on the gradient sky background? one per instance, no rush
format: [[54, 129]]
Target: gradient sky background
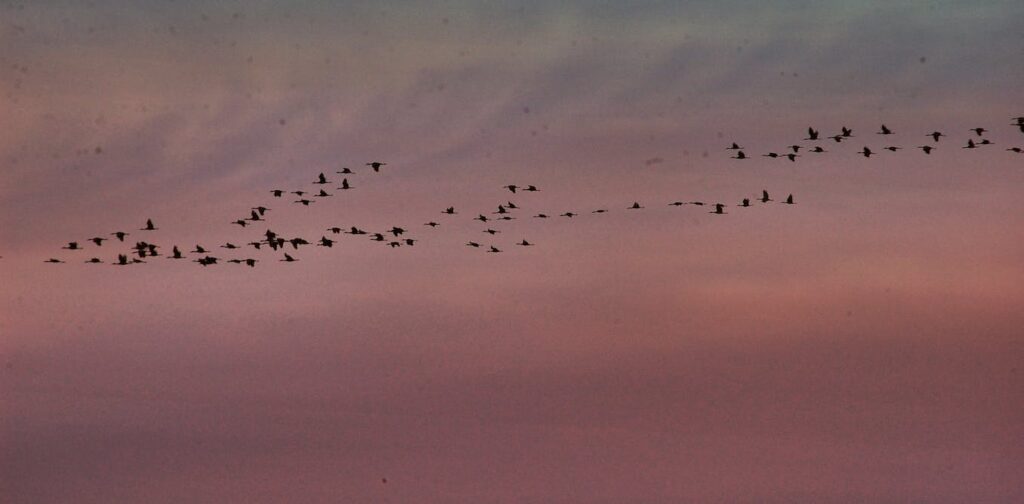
[[864, 345]]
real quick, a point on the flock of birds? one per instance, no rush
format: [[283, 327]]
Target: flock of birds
[[846, 134], [398, 236]]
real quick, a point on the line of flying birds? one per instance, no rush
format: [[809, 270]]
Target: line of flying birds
[[396, 236], [846, 134]]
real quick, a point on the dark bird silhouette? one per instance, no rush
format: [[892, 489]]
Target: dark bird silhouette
[[240, 222], [739, 155], [531, 188], [837, 138], [94, 260], [817, 149], [985, 141], [175, 253], [1018, 150], [251, 262], [812, 134], [926, 148], [697, 203], [449, 211], [394, 244], [794, 148], [511, 206], [501, 210], [481, 218], [789, 200], [277, 192], [491, 231], [885, 131], [149, 226], [734, 146], [255, 216], [376, 165], [634, 206], [72, 246], [299, 193], [978, 131], [540, 216], [199, 250], [892, 148], [54, 261], [395, 231], [764, 197], [325, 242], [321, 194], [970, 145], [525, 243], [377, 237], [512, 187], [431, 224], [296, 242], [410, 241], [321, 179], [792, 157], [771, 155], [344, 171], [335, 230], [866, 152], [355, 231], [719, 209], [122, 260], [473, 244], [120, 235], [255, 244], [676, 203], [305, 202], [229, 246], [98, 241], [745, 202], [600, 210], [494, 249], [935, 135], [344, 184], [569, 215], [206, 261], [847, 132], [288, 258]]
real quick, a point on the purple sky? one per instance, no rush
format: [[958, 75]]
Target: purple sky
[[863, 345]]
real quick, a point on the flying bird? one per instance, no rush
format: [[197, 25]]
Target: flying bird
[[885, 131], [376, 165]]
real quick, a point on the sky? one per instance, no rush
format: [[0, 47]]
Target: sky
[[861, 345]]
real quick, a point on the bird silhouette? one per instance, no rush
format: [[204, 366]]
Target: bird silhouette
[[935, 135], [72, 246], [812, 134], [600, 210], [512, 188], [1018, 150], [789, 200], [54, 261], [764, 196], [525, 243], [739, 155], [325, 242], [866, 152], [321, 179], [926, 148], [149, 226], [884, 131], [277, 192], [175, 253], [305, 202], [376, 165], [449, 211], [978, 131], [970, 145], [94, 260], [321, 194], [344, 184], [892, 148], [745, 202], [491, 231], [734, 146], [569, 215], [540, 216], [847, 132], [431, 224], [531, 188], [494, 249], [344, 171], [634, 206], [288, 258], [98, 241], [718, 209], [792, 157], [120, 235], [817, 149], [473, 244]]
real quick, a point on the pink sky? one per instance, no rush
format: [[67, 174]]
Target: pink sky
[[863, 345]]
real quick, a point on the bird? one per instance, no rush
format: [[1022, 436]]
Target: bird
[[892, 148], [344, 171], [847, 132], [600, 210], [978, 131], [98, 241], [481, 218], [718, 209], [410, 241], [771, 155], [817, 149], [512, 188], [376, 165], [251, 262], [540, 216], [531, 188], [377, 237], [501, 210], [494, 249], [94, 260], [335, 230], [1018, 150], [431, 224], [745, 202], [792, 156], [54, 261], [395, 230], [491, 231], [734, 146], [510, 205], [122, 260], [175, 253], [739, 155], [149, 226], [345, 184], [322, 194], [795, 148], [72, 246], [240, 222], [926, 148], [676, 203], [569, 215], [305, 202], [812, 134], [985, 141], [229, 246], [935, 135], [321, 179], [325, 242], [355, 231], [299, 193], [866, 152], [789, 200], [525, 243], [884, 131], [199, 250], [764, 197], [970, 144], [473, 244], [837, 138], [449, 211], [276, 192], [394, 244], [288, 258], [634, 206]]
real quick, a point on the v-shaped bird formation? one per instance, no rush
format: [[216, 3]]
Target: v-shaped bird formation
[[282, 246]]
